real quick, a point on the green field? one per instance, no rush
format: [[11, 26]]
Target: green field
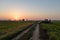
[[53, 30], [10, 27]]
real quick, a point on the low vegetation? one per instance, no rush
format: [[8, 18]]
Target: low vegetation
[[11, 27], [53, 30]]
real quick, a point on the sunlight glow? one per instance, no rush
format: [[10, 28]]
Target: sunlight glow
[[15, 15], [16, 18]]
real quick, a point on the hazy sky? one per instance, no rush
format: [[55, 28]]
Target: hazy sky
[[29, 9]]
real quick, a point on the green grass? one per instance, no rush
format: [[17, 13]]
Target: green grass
[[11, 27], [56, 23], [53, 30]]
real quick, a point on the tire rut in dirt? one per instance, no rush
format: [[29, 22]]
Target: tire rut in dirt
[[27, 35]]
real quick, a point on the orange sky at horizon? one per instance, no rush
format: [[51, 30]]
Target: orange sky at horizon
[[18, 15]]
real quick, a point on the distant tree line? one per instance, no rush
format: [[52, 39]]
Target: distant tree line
[[46, 21]]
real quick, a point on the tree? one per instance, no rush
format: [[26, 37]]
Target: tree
[[23, 19]]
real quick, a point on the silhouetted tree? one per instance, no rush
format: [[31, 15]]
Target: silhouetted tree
[[23, 19], [49, 21], [46, 21]]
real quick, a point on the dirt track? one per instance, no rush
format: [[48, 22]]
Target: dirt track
[[35, 32]]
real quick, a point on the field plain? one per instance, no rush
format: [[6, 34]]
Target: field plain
[[53, 30], [10, 27]]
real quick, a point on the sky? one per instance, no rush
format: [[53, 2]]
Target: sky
[[29, 9]]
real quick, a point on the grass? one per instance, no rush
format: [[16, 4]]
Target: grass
[[28, 35], [11, 27], [53, 30]]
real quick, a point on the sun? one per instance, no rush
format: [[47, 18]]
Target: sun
[[16, 15], [16, 18]]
